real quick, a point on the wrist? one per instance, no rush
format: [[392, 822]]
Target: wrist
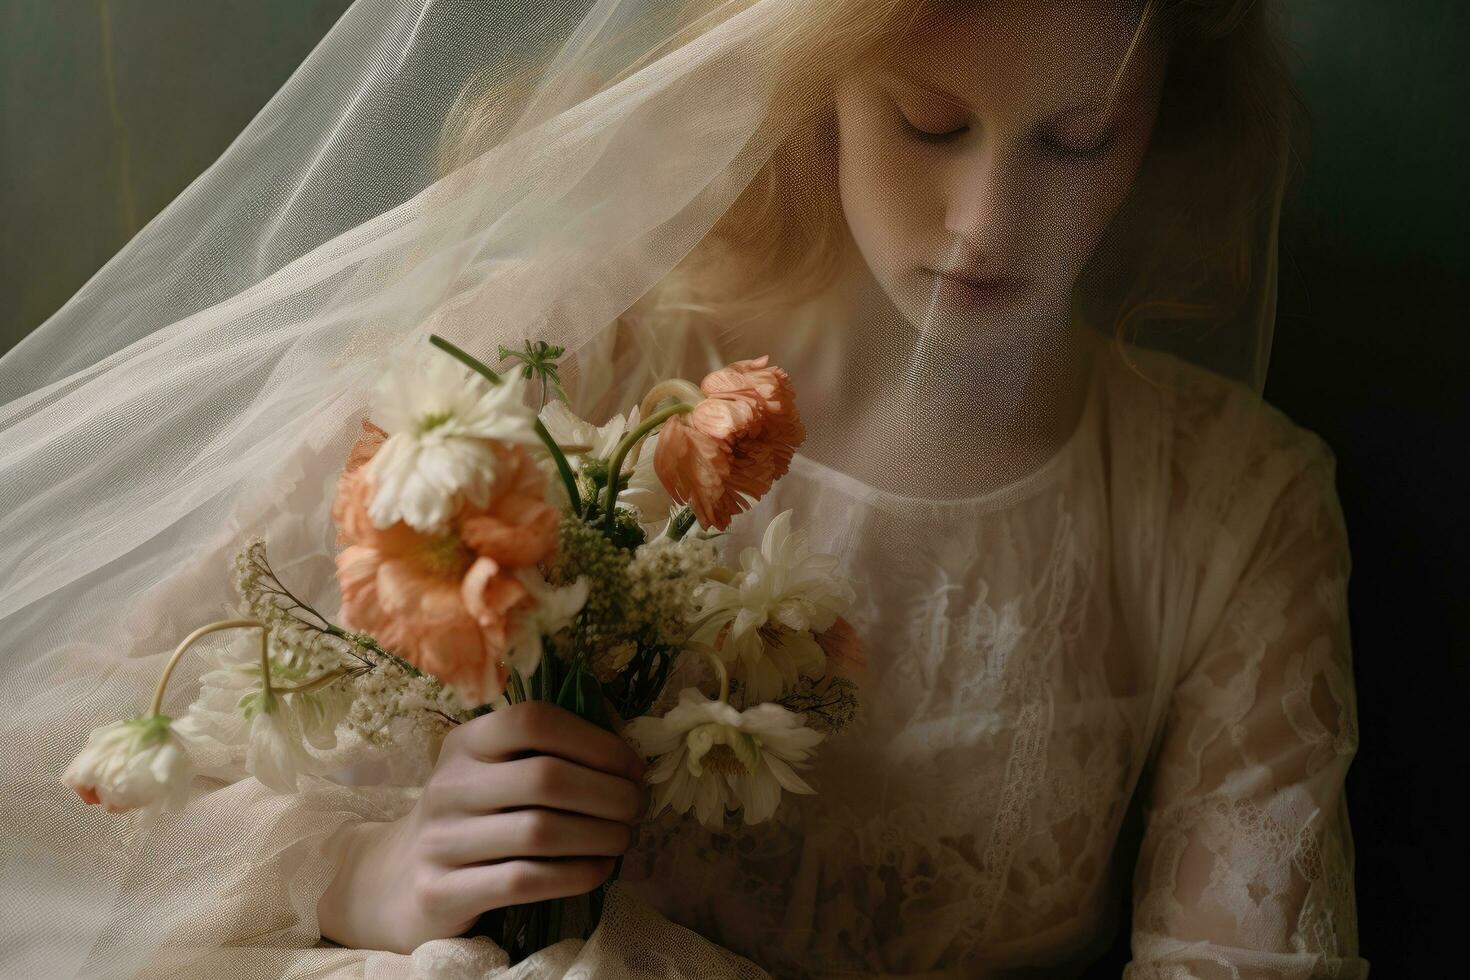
[[346, 911]]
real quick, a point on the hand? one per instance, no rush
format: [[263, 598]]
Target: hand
[[526, 803]]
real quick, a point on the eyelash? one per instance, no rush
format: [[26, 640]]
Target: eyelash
[[1065, 152], [1061, 151], [924, 136]]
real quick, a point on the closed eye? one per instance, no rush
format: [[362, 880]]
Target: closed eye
[[929, 135], [1071, 151], [929, 131], [934, 137]]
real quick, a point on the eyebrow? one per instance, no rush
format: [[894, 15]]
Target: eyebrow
[[1124, 98]]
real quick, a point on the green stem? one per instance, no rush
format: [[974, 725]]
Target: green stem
[[469, 360], [223, 624], [557, 456], [615, 469], [265, 665], [313, 685], [362, 639], [680, 524], [562, 466], [517, 687]]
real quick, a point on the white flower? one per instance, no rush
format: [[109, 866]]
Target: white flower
[[276, 755], [579, 440], [580, 437], [783, 594], [714, 758], [554, 610], [442, 421], [644, 490], [134, 764], [233, 710]]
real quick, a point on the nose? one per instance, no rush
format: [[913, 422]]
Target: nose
[[985, 206]]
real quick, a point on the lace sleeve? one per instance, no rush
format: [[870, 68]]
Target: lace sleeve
[[228, 886], [1246, 866]]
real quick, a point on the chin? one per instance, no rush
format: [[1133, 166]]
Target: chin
[[997, 334]]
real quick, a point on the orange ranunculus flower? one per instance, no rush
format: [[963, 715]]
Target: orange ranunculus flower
[[447, 603], [738, 441]]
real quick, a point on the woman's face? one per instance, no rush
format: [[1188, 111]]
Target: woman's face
[[983, 149]]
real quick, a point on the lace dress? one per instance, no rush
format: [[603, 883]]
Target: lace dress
[[1132, 663]]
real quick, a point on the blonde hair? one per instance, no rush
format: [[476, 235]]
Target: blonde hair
[[1182, 248]]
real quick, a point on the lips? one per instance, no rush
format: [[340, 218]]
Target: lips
[[976, 280], [973, 291]]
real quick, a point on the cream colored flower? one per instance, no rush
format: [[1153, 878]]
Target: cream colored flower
[[443, 422], [275, 754], [137, 764], [580, 438], [770, 609], [715, 758], [234, 710], [644, 490]]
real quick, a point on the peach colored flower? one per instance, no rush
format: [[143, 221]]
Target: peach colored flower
[[447, 602], [352, 521], [734, 445], [846, 655]]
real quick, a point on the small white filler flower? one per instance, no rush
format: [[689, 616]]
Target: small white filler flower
[[714, 758], [442, 421], [137, 764]]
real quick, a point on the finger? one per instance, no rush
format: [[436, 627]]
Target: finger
[[469, 891], [540, 726], [612, 713], [620, 726], [548, 781], [533, 832]]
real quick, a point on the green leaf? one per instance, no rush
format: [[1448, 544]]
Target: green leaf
[[596, 705], [567, 696], [581, 694], [538, 360]]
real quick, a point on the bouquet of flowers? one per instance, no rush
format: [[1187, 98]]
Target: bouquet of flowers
[[495, 553]]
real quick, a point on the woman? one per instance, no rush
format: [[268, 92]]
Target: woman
[[1103, 583]]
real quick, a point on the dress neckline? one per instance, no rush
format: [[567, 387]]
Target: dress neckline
[[996, 498]]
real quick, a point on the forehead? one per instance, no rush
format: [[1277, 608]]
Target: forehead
[[1032, 51]]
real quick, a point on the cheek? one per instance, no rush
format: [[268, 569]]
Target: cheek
[[1081, 205], [1110, 187], [886, 194], [1081, 213]]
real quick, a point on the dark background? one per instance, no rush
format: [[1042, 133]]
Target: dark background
[[108, 109]]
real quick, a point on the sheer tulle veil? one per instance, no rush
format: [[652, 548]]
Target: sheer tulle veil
[[650, 184]]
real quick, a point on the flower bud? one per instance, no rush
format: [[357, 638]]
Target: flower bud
[[131, 764]]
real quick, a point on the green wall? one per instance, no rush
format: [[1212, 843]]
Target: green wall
[[109, 109]]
